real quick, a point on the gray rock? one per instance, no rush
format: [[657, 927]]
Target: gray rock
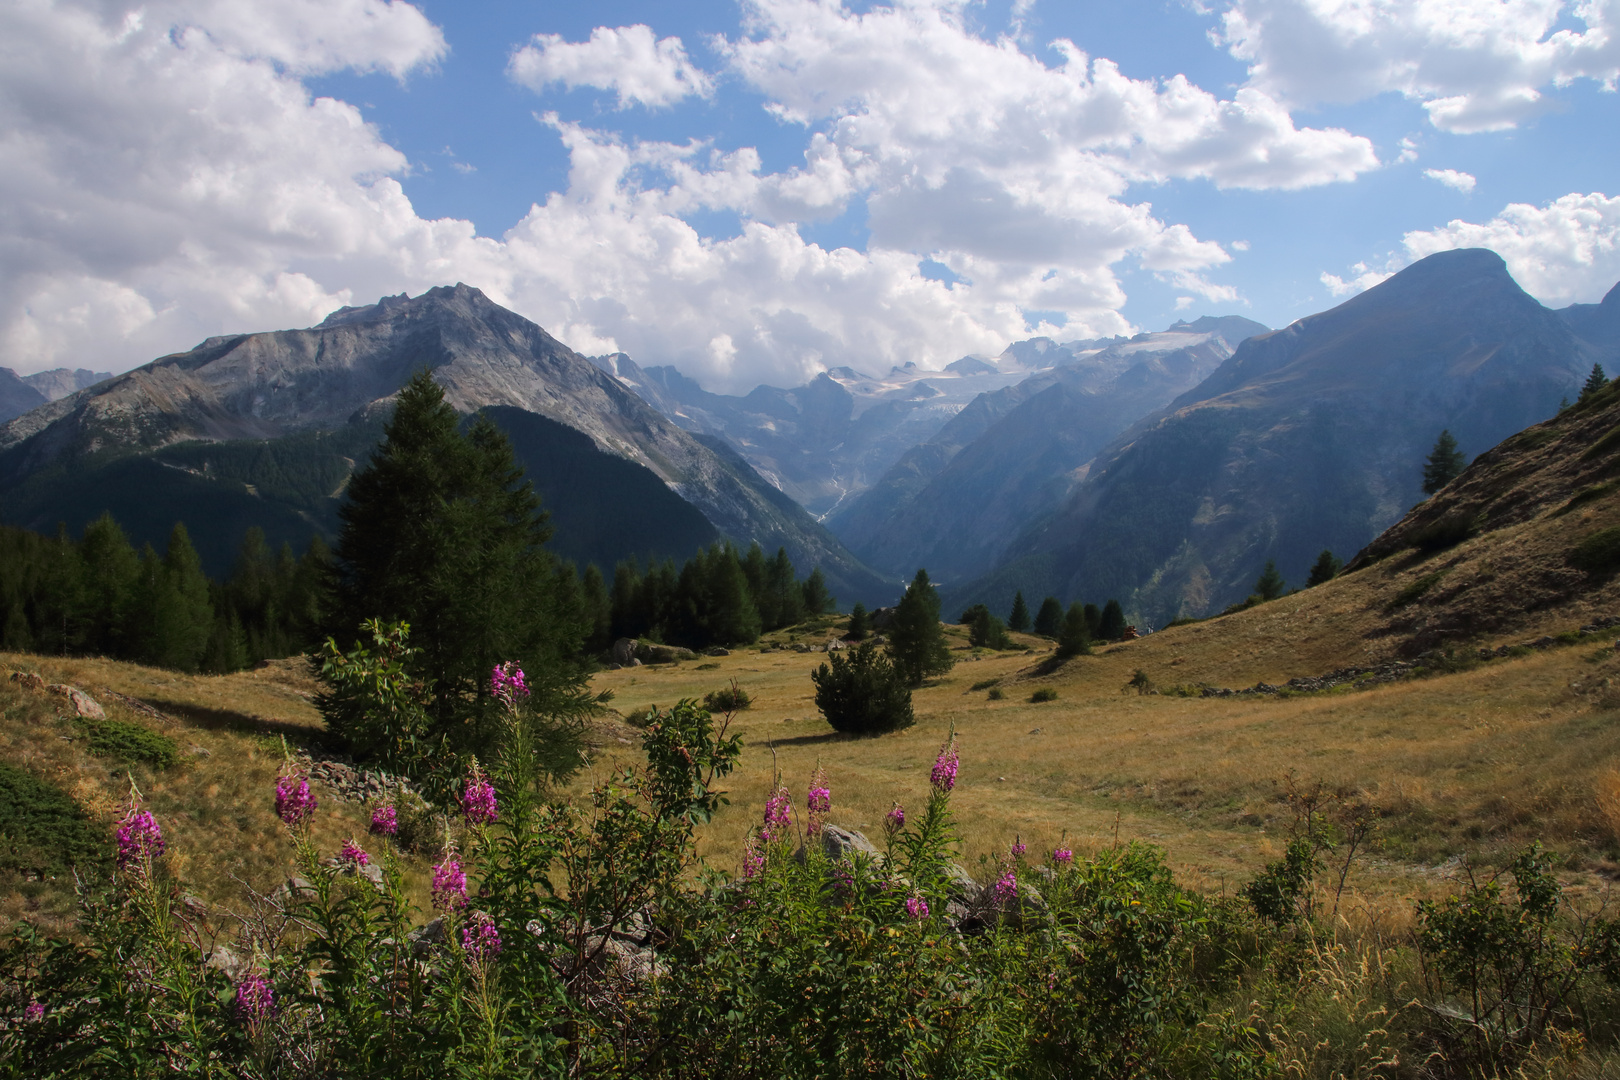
[[83, 704], [224, 959], [624, 651], [425, 938], [840, 843]]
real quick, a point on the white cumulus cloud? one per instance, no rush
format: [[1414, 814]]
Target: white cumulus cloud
[[1565, 252], [1460, 181], [1475, 65], [626, 60]]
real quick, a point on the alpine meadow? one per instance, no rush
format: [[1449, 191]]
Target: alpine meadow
[[976, 539]]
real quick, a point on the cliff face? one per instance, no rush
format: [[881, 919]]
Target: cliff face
[[268, 386]]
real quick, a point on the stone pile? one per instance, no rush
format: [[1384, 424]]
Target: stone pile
[[347, 781]]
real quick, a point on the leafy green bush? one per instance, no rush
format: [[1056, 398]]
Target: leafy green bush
[[1597, 553], [984, 684], [995, 694], [42, 830], [727, 699], [1045, 693], [861, 693], [130, 742]]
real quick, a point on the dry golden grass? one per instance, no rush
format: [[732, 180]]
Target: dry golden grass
[[216, 807]]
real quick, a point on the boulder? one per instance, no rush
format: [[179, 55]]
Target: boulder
[[716, 651], [624, 651], [840, 844], [224, 959], [424, 938], [83, 704], [650, 653], [27, 680]]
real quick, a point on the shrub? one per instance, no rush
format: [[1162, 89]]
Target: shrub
[[43, 830], [130, 742], [1074, 637], [995, 694], [1597, 553], [727, 699], [984, 684], [861, 693], [1045, 693], [1446, 532], [1416, 590]]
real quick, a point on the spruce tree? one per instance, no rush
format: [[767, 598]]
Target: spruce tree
[[176, 603], [1094, 621], [916, 642], [860, 692], [786, 593], [625, 602], [817, 600], [860, 625], [1074, 639], [441, 531], [1594, 382], [1270, 584], [1049, 619], [1018, 618], [1444, 464], [598, 609], [1326, 568], [1111, 624], [111, 575]]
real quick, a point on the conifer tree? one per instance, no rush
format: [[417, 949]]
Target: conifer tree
[[1444, 464], [916, 642], [441, 531], [1018, 618], [111, 575], [1594, 382], [175, 599], [1074, 639], [1094, 620], [1111, 624], [783, 585], [598, 609], [1326, 568], [860, 624], [1049, 619], [817, 600], [625, 602], [1270, 584], [768, 603]]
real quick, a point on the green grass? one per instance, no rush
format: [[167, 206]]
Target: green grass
[[1045, 693], [1414, 592], [42, 830], [130, 743]]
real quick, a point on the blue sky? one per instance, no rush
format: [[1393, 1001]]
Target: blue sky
[[756, 191]]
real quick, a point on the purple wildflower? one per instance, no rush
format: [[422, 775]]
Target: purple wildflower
[[384, 821], [895, 819], [294, 800], [139, 839], [778, 810], [255, 1000], [820, 800], [1018, 847], [944, 775], [1062, 856], [353, 854], [1007, 888], [449, 885], [479, 938], [478, 800], [917, 907], [753, 858], [506, 682], [33, 1012]]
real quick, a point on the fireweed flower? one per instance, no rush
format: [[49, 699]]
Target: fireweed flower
[[778, 811], [449, 885], [917, 907], [33, 1012], [479, 938], [478, 800], [1062, 856], [139, 839], [753, 858], [1018, 847], [1007, 888], [820, 800], [384, 821], [895, 819], [255, 1000], [944, 775], [294, 800], [506, 682], [353, 854]]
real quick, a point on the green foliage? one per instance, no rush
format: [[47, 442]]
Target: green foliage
[[860, 692], [916, 642], [1111, 622], [441, 532], [129, 742], [1444, 464], [1414, 592], [995, 694], [985, 631], [1140, 683], [1598, 552], [860, 624], [817, 600], [1446, 532], [984, 684], [1325, 569], [1595, 381], [1049, 619], [1589, 493], [716, 598], [1074, 638], [727, 699], [1045, 693], [1270, 584], [1018, 619], [42, 830]]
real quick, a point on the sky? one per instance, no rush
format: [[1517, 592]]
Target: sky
[[759, 190]]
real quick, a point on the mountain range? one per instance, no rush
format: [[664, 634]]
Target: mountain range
[[21, 393], [265, 429], [1307, 438]]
